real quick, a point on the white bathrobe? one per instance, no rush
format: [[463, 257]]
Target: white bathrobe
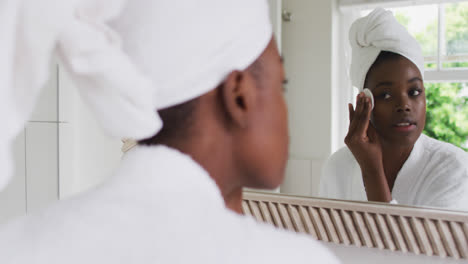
[[159, 207], [434, 175]]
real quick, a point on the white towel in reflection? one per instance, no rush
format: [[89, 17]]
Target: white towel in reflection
[[434, 175], [376, 32]]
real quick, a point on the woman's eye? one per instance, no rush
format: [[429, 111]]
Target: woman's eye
[[415, 92], [386, 95]]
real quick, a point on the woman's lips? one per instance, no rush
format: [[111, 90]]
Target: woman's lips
[[404, 127]]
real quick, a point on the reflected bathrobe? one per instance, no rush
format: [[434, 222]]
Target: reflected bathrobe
[[434, 175], [159, 207]]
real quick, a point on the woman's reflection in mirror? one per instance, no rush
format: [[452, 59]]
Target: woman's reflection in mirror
[[387, 158]]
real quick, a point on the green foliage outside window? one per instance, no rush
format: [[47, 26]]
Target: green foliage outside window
[[447, 113], [447, 103]]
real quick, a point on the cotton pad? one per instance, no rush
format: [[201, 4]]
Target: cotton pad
[[368, 93]]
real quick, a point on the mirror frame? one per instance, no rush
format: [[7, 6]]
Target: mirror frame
[[427, 231]]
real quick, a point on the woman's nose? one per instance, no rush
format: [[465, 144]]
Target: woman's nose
[[402, 105], [403, 109]]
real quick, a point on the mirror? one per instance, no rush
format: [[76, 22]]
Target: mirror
[[317, 56]]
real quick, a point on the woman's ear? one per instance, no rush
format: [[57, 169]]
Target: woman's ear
[[239, 94]]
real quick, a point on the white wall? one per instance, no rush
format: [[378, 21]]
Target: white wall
[[87, 155], [307, 42], [13, 198]]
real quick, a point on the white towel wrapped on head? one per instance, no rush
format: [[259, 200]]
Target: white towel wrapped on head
[[128, 58], [376, 32]]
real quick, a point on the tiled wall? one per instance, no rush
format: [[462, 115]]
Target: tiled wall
[[61, 152], [35, 182], [302, 177]]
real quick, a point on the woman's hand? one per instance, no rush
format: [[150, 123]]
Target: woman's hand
[[364, 143], [362, 139]]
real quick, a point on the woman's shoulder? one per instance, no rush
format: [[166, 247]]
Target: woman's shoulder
[[341, 177], [341, 160], [443, 157], [442, 149], [342, 155]]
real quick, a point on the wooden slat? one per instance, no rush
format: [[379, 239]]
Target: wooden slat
[[465, 229], [409, 236], [285, 217], [266, 213], [421, 237], [385, 232], [460, 239], [310, 229], [317, 221], [434, 238], [362, 229], [342, 234], [351, 228], [447, 239], [255, 210], [329, 225], [396, 233], [275, 214], [245, 208], [296, 219], [373, 231]]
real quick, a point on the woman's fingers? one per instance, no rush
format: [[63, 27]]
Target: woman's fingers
[[351, 112], [368, 108], [359, 103], [352, 117], [358, 121], [372, 134], [362, 117]]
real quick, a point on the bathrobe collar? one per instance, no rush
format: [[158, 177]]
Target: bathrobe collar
[[162, 170]]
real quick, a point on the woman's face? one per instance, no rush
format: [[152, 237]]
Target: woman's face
[[399, 113]]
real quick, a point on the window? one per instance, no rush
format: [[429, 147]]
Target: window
[[442, 31]]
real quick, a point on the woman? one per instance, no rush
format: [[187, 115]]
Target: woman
[[203, 99], [387, 158]]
